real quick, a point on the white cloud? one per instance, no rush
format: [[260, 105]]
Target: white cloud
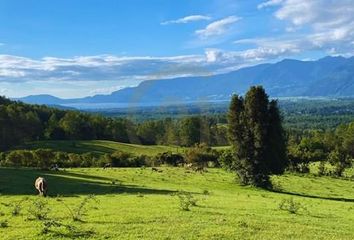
[[187, 19], [217, 28], [269, 3], [326, 25], [106, 73]]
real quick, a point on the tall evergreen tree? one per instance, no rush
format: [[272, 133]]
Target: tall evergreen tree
[[257, 137]]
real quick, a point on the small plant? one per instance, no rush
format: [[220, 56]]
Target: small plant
[[48, 225], [81, 210], [17, 207], [57, 228], [291, 206], [4, 224], [206, 192], [39, 209], [186, 200]]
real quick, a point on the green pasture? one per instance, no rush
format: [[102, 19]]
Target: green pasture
[[138, 203]]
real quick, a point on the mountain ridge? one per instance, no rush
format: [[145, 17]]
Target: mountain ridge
[[326, 77]]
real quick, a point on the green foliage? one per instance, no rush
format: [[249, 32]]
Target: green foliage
[[38, 209], [201, 155], [291, 206], [77, 213], [17, 206], [257, 137], [226, 159], [186, 200], [20, 123], [331, 147], [58, 229], [169, 158]]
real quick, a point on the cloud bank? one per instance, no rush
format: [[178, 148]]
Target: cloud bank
[[326, 25]]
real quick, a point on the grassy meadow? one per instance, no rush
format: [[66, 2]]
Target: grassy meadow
[[100, 147], [138, 203]]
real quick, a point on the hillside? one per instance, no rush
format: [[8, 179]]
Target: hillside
[[142, 204], [327, 77], [100, 147]]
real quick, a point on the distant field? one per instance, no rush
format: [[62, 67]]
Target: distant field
[[141, 204], [100, 147]]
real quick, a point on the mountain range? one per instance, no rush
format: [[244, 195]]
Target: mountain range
[[326, 77]]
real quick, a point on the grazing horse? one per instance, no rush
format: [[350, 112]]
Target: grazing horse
[[42, 186]]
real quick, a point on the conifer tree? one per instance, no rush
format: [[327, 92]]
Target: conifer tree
[[257, 137]]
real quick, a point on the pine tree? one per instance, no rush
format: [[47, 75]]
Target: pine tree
[[276, 149], [257, 137]]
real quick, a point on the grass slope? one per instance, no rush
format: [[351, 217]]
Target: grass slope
[[140, 204], [100, 147]]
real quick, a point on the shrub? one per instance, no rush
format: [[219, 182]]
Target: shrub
[[172, 159], [61, 158], [44, 158], [322, 168], [200, 155], [290, 206], [81, 210], [226, 160], [19, 158], [17, 207], [120, 159], [186, 200], [59, 229], [340, 161], [38, 209]]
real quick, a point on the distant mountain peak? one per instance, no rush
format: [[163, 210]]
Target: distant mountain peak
[[328, 76]]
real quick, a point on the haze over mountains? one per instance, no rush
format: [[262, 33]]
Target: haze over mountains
[[326, 77]]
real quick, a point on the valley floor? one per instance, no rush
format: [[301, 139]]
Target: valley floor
[[138, 203]]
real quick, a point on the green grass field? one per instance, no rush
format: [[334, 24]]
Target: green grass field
[[100, 147], [142, 204]]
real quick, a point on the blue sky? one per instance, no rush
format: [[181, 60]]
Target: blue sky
[[75, 48]]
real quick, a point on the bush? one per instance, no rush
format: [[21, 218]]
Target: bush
[[200, 155], [81, 210], [322, 168], [44, 158], [169, 158], [38, 209], [340, 161], [226, 160], [18, 158], [291, 206], [186, 200]]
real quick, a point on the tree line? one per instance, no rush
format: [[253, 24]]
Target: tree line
[[21, 123]]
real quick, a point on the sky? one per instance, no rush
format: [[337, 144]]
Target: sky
[[76, 48]]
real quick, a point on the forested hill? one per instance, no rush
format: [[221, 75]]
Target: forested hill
[[329, 76], [20, 123]]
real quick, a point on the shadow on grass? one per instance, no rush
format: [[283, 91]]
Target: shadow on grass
[[312, 196], [21, 182]]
